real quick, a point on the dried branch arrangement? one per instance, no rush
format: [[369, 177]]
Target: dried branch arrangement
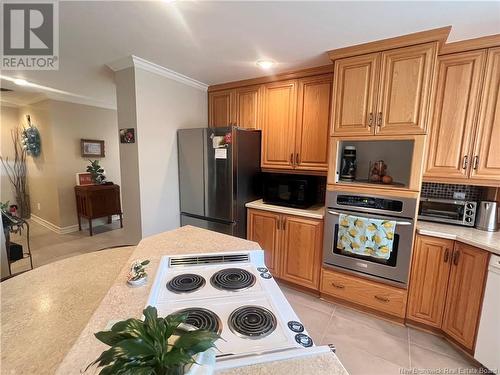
[[16, 171]]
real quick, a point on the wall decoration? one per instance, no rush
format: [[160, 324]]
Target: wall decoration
[[92, 148], [84, 178], [96, 172], [30, 139], [127, 135], [16, 171]]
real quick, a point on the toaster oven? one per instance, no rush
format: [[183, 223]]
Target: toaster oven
[[448, 211]]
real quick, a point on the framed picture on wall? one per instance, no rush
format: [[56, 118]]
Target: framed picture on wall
[[127, 135], [92, 148]]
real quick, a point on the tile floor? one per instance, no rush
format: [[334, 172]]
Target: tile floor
[[367, 345], [48, 246]]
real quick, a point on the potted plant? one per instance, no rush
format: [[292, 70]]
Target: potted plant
[[96, 172], [137, 275], [156, 346]]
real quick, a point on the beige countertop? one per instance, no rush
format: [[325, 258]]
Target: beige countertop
[[313, 212], [44, 310], [489, 241]]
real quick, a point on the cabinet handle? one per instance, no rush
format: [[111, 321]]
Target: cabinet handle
[[446, 255], [291, 158], [370, 119], [284, 223], [297, 159], [381, 299], [379, 120], [338, 286], [456, 256], [465, 162], [476, 161]]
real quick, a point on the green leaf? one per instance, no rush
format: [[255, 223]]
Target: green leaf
[[111, 338], [145, 262], [193, 339]]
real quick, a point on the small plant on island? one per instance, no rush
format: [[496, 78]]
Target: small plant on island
[[138, 270], [154, 346]]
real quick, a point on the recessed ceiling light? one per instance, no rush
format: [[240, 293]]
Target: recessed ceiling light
[[21, 82], [265, 64]]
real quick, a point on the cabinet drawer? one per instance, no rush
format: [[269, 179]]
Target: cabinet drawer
[[385, 298]]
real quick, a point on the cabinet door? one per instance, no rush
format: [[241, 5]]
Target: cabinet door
[[429, 280], [486, 161], [301, 251], [263, 228], [278, 128], [313, 120], [220, 108], [455, 110], [354, 95], [465, 293], [247, 107], [405, 89]]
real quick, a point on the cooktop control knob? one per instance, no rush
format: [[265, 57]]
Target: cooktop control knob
[[262, 269], [266, 275], [295, 326], [468, 219], [469, 205], [304, 340], [468, 212]]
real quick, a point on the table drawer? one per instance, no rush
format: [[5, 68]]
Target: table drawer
[[381, 297]]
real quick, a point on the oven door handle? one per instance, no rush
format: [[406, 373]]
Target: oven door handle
[[397, 222]]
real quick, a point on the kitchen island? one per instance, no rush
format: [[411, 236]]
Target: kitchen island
[[75, 350]]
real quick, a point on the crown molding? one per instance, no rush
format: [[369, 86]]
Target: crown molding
[[138, 62]]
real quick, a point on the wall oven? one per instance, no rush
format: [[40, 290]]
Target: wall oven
[[392, 268]]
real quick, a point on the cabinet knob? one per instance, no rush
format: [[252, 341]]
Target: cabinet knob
[[379, 120], [446, 255], [370, 119], [297, 159], [456, 257], [291, 158], [476, 161]]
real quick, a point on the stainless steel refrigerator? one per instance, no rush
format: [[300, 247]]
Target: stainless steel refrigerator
[[219, 171]]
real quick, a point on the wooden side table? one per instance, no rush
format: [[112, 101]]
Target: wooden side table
[[95, 201]]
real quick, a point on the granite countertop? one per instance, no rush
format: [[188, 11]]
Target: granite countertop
[[489, 241], [314, 212], [44, 310], [122, 301]]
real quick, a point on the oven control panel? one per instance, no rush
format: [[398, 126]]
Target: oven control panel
[[369, 202]]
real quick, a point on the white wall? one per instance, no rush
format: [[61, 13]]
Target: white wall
[[162, 107]]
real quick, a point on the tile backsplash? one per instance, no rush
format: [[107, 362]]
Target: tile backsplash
[[445, 191]]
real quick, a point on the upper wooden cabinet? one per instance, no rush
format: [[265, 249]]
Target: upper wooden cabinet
[[463, 145], [405, 87], [240, 106], [295, 124], [355, 88], [386, 93], [429, 280], [313, 120], [278, 127], [486, 160], [292, 245], [247, 101], [465, 293], [455, 109], [220, 108]]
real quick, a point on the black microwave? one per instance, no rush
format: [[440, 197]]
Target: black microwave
[[297, 191]]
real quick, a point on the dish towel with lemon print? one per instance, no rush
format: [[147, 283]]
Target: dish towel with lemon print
[[367, 237]]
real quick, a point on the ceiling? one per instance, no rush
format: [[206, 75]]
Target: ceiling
[[215, 42]]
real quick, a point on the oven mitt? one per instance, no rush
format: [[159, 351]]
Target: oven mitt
[[366, 237]]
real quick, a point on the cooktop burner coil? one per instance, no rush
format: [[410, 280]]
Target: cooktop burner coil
[[253, 322], [233, 279], [186, 283], [202, 319]]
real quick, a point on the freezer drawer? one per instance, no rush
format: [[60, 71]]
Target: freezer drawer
[[226, 228]]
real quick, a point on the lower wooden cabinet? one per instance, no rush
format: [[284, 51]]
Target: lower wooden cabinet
[[465, 293], [429, 280], [292, 245], [363, 292], [446, 287]]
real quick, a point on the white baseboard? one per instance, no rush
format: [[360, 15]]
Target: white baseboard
[[69, 228]]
